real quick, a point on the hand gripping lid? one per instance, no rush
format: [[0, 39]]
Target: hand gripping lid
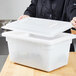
[[42, 27]]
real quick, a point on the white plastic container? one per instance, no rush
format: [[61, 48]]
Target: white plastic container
[[39, 52], [39, 43]]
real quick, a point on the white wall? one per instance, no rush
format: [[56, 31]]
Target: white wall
[[12, 9]]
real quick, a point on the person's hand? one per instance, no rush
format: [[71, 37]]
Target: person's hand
[[73, 21], [23, 16]]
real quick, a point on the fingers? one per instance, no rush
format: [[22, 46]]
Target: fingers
[[74, 19], [20, 17], [74, 22], [23, 16]]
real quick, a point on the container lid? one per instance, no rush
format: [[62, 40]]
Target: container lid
[[41, 27]]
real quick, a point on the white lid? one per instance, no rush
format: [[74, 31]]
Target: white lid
[[42, 27], [38, 39]]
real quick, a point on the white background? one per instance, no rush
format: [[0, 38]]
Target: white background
[[12, 9]]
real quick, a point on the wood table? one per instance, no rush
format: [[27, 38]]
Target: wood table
[[13, 69], [73, 31]]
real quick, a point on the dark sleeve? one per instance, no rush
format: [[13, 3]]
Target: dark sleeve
[[31, 10], [71, 9]]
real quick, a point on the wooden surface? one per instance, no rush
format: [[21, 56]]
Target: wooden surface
[[73, 31], [13, 69]]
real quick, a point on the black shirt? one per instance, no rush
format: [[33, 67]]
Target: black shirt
[[50, 9], [63, 10], [56, 9]]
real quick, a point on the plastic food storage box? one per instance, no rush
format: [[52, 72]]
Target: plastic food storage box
[[39, 51]]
